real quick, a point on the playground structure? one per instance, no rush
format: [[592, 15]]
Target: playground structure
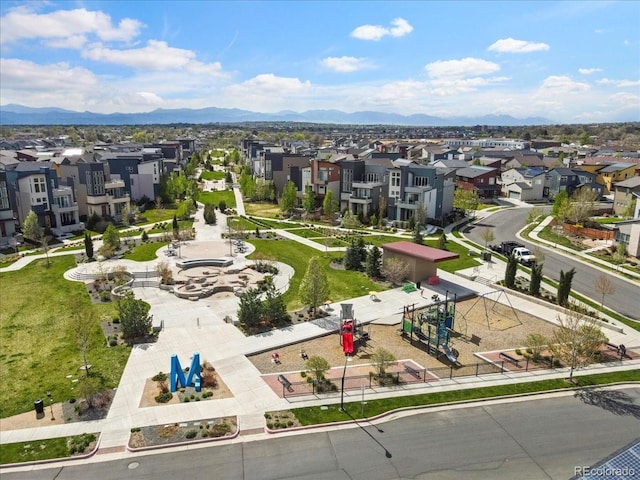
[[493, 297], [349, 330], [433, 326]]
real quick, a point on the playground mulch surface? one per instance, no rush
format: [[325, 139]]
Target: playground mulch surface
[[503, 329]]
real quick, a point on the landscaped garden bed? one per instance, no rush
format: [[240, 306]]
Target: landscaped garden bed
[[182, 432]]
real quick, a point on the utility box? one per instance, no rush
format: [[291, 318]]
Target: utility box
[[486, 256]]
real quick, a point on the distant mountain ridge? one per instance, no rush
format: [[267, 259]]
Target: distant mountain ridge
[[13, 114]]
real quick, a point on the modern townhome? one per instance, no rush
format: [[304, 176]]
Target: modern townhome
[[482, 180], [624, 193], [569, 180], [140, 171], [363, 183], [412, 184], [322, 176], [526, 184], [34, 186], [616, 172]]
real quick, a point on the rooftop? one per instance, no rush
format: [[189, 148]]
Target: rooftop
[[421, 252]]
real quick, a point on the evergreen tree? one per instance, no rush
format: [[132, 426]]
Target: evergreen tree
[[88, 245], [536, 279], [411, 225], [250, 309], [329, 205], [374, 260], [134, 316], [111, 237], [442, 241], [210, 214], [175, 226], [351, 258], [510, 272], [564, 286], [274, 308], [288, 199], [417, 236], [309, 199], [361, 250]]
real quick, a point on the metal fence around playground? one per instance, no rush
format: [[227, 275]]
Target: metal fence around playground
[[405, 374]]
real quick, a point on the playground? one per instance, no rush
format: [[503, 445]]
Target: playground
[[476, 330]]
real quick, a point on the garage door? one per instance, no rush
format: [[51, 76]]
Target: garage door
[[513, 194]]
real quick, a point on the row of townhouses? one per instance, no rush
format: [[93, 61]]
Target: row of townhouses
[[66, 187]]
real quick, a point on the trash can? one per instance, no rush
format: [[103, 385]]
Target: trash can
[[39, 407], [486, 256]]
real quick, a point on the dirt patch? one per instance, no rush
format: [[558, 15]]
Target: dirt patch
[[183, 432]]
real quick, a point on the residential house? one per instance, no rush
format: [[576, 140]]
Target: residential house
[[525, 161], [482, 180], [624, 193], [322, 176], [285, 167], [368, 187], [616, 172], [453, 163], [569, 180], [411, 184], [525, 184], [488, 143], [140, 171]]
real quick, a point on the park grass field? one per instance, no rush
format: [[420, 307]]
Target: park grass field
[[39, 349]]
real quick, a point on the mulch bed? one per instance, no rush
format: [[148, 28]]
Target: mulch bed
[[80, 411], [158, 435]]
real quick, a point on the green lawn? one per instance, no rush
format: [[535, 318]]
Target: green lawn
[[547, 233], [451, 266], [240, 223], [304, 232], [332, 413], [277, 224], [343, 284], [38, 347], [217, 175], [37, 450], [182, 224], [216, 197], [379, 240], [608, 220], [145, 252]]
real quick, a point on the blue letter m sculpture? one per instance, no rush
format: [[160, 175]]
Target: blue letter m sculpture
[[177, 375]]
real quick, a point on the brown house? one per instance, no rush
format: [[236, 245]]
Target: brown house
[[420, 259]]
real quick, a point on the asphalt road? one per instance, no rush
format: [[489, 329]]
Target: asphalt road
[[625, 300], [532, 439]]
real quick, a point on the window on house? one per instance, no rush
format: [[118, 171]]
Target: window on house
[[421, 181], [129, 169], [39, 185], [395, 179], [373, 177]]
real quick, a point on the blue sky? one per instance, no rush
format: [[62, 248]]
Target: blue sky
[[566, 61]]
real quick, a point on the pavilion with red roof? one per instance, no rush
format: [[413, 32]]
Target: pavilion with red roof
[[420, 259]]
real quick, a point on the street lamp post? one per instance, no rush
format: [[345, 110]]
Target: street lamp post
[[344, 373], [51, 405]]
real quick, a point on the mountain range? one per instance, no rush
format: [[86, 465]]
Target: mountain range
[[13, 114]]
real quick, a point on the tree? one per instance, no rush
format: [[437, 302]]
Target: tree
[[536, 342], [421, 214], [465, 200], [630, 209], [411, 224], [361, 250], [395, 270], [487, 235], [83, 326], [309, 199], [382, 359], [533, 215], [561, 206], [564, 286], [349, 220], [33, 231], [88, 245], [134, 316], [577, 342], [374, 258], [88, 388], [417, 235], [329, 205], [228, 178], [314, 287], [317, 366], [351, 257], [210, 214], [510, 272], [111, 237], [164, 272], [442, 241], [620, 255], [536, 280], [174, 224], [126, 214], [382, 210], [250, 309], [273, 307], [603, 286], [288, 199], [582, 205]]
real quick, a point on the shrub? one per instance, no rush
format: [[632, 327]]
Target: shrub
[[113, 342], [72, 400], [518, 351], [191, 434], [164, 397], [159, 377], [186, 400], [135, 429]]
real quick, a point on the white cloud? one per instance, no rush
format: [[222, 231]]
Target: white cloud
[[511, 45], [21, 24], [345, 64], [618, 83], [74, 42], [465, 67], [23, 75], [400, 27], [589, 71], [562, 84], [268, 83]]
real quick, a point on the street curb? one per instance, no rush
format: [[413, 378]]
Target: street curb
[[178, 444], [438, 405]]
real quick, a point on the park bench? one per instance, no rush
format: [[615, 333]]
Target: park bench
[[285, 382], [409, 369], [510, 359], [612, 346]]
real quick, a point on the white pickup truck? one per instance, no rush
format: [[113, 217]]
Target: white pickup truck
[[524, 256]]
